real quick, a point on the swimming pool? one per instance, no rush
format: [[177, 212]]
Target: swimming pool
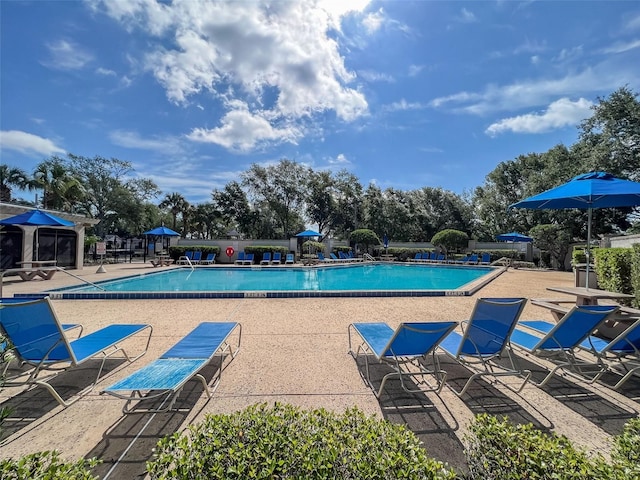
[[352, 280]]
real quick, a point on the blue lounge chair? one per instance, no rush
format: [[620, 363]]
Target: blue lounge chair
[[416, 258], [622, 351], [248, 259], [485, 338], [186, 258], [321, 257], [266, 258], [463, 260], [342, 256], [485, 259], [277, 258], [197, 256], [409, 344], [210, 259], [40, 341], [472, 260], [333, 256], [240, 259], [562, 341], [440, 258], [163, 379], [290, 259]]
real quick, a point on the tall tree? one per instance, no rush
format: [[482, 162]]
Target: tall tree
[[12, 177], [176, 204], [61, 189], [320, 200], [281, 188]]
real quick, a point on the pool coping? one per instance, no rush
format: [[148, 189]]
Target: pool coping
[[467, 289]]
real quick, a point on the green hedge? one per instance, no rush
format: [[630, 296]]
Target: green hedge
[[259, 250], [635, 273], [283, 441], [496, 449], [46, 466], [613, 267]]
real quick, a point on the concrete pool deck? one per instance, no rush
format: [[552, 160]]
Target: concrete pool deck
[[295, 351]]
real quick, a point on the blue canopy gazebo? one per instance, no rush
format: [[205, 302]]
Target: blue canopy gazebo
[[161, 232]]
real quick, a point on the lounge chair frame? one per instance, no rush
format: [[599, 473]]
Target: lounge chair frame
[[407, 360], [164, 378], [40, 342], [562, 342], [485, 339]]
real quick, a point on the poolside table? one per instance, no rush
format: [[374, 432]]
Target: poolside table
[[590, 296]]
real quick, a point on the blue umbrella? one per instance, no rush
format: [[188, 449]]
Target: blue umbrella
[[308, 233], [162, 232], [513, 237], [37, 218], [587, 191]]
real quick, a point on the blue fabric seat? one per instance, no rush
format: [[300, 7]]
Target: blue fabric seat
[[163, 379], [266, 258], [39, 341], [561, 342], [409, 344], [277, 258], [485, 339]]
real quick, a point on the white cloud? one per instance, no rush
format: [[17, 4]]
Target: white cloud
[[340, 160], [621, 47], [281, 54], [534, 93], [105, 71], [373, 21], [561, 113], [133, 140], [415, 70], [243, 131], [466, 16], [28, 143], [633, 23], [66, 55], [403, 105], [371, 76]]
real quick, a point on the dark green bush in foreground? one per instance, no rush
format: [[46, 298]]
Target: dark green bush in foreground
[[283, 441], [46, 466], [498, 450]]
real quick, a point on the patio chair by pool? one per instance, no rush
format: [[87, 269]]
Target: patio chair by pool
[[472, 260], [621, 355], [197, 257], [462, 260], [248, 259], [290, 259], [162, 380], [209, 260], [186, 258], [40, 342], [485, 259], [409, 344], [322, 258], [333, 256], [240, 259], [485, 339], [266, 258], [563, 340], [277, 258]]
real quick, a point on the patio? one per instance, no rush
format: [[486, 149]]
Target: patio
[[295, 351]]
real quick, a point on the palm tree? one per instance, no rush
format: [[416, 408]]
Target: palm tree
[[12, 177], [176, 204], [61, 191]]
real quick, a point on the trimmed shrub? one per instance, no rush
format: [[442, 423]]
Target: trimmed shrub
[[312, 246], [46, 466], [365, 238], [499, 450], [283, 441], [613, 267], [626, 450], [635, 273], [452, 240]]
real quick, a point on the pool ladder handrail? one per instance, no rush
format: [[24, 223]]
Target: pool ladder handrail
[[368, 258]]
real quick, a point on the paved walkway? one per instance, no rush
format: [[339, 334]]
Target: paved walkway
[[295, 351]]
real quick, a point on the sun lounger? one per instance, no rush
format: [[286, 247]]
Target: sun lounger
[[248, 259], [162, 380], [561, 342], [277, 258], [240, 259], [209, 260], [186, 258], [409, 344], [485, 339], [40, 342], [266, 259], [290, 259]]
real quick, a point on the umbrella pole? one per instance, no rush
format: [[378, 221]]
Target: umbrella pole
[[588, 252]]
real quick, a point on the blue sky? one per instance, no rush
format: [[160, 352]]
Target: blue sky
[[404, 94]]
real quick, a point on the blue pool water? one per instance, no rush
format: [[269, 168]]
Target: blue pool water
[[362, 278]]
